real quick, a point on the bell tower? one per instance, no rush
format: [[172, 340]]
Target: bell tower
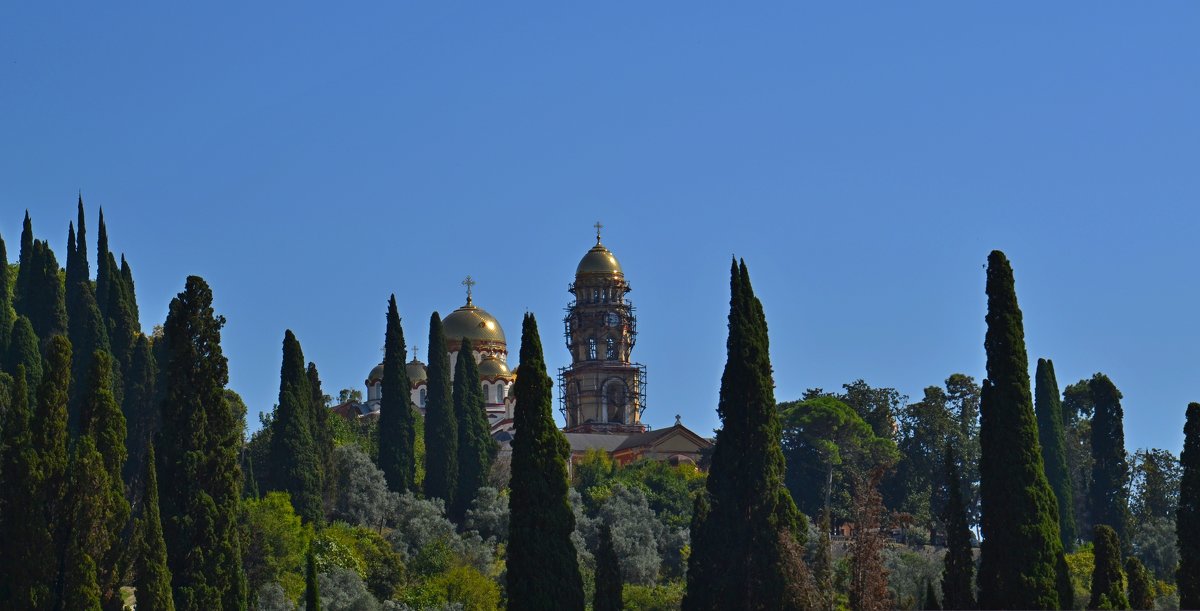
[[602, 391]]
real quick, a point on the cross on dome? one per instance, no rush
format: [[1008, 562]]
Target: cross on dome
[[468, 283], [598, 227]]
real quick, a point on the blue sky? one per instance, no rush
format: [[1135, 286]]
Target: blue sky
[[309, 161]]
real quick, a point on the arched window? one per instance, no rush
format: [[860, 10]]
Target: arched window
[[499, 393], [423, 391], [591, 347], [610, 349]]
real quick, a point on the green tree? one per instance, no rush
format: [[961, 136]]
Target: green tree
[[1187, 515], [26, 561], [931, 601], [1110, 466], [88, 516], [925, 428], [50, 440], [608, 574], [120, 315], [441, 426], [275, 544], [1077, 410], [39, 292], [745, 523], [1108, 583], [1022, 556], [103, 422], [958, 591], [312, 591], [130, 289], [1054, 453], [104, 277], [293, 462], [1154, 485], [200, 443], [152, 578], [88, 336], [142, 415], [1141, 586], [397, 426], [543, 570], [322, 433], [24, 351], [475, 445], [7, 315]]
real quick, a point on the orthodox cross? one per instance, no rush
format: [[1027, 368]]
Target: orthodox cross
[[414, 352], [468, 283], [598, 227]]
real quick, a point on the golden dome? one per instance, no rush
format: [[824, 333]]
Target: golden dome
[[491, 367], [472, 323], [598, 260], [416, 372], [376, 374]]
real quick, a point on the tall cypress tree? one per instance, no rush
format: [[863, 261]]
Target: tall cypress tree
[[25, 266], [397, 423], [87, 537], [321, 432], [1108, 583], [931, 601], [26, 564], [103, 270], [141, 410], [441, 427], [130, 290], [7, 315], [104, 423], [1141, 586], [40, 294], [200, 443], [1022, 566], [1054, 452], [1187, 513], [609, 588], [957, 590], [50, 441], [543, 569], [738, 556], [121, 322], [24, 351], [475, 444], [152, 578], [1110, 466], [89, 335], [293, 462]]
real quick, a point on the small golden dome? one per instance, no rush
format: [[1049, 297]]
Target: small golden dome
[[416, 372], [376, 374], [598, 260], [491, 368], [472, 323]]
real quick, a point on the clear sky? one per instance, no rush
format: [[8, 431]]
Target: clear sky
[[863, 158]]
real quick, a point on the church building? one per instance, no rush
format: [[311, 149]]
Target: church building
[[602, 393]]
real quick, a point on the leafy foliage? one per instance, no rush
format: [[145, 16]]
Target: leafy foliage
[[361, 496], [276, 540]]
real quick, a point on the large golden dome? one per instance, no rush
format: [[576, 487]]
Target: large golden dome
[[472, 323], [492, 368], [598, 260]]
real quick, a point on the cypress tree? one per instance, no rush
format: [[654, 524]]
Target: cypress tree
[[957, 590], [1187, 513], [1108, 587], [312, 591], [200, 442], [25, 266], [25, 562], [87, 538], [475, 444], [50, 441], [441, 427], [81, 592], [104, 423], [152, 580], [608, 574], [130, 291], [397, 422], [88, 335], [543, 569], [140, 409], [1141, 587], [77, 271], [1022, 566], [23, 351], [322, 433], [1110, 467], [931, 601], [293, 462], [103, 270], [121, 322], [40, 294], [1054, 452], [7, 316], [739, 560]]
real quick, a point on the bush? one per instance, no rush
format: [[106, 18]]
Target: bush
[[665, 597], [488, 515], [361, 496], [468, 587], [275, 542]]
